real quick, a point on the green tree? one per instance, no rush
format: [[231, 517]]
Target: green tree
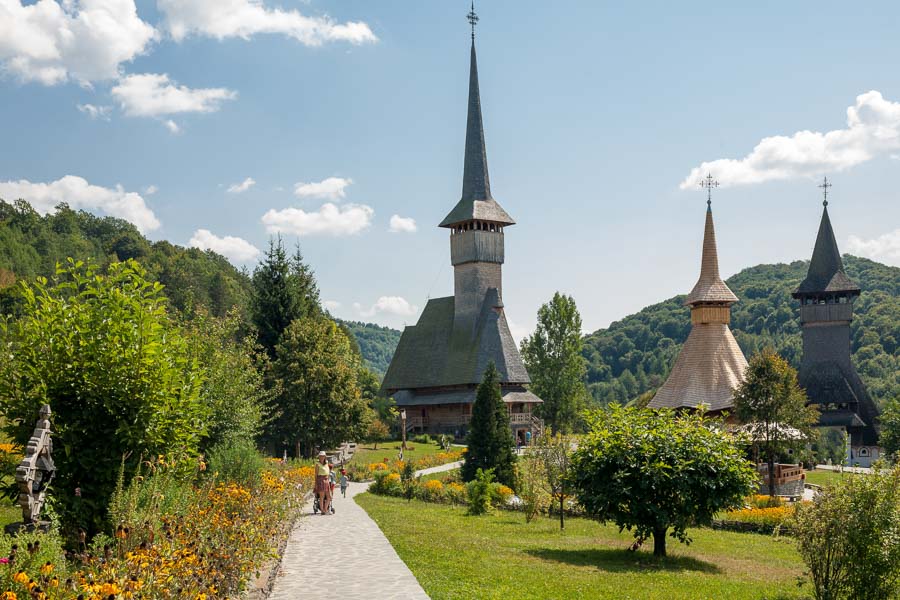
[[319, 402], [889, 438], [376, 432], [849, 537], [773, 408], [284, 290], [233, 388], [555, 451], [117, 373], [553, 358], [651, 471], [490, 440]]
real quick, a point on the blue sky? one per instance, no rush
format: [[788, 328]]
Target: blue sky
[[598, 118]]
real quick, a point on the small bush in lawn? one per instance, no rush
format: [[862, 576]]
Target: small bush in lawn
[[501, 494], [432, 491], [236, 461], [386, 484], [532, 477], [422, 438], [455, 493], [849, 537], [480, 492]]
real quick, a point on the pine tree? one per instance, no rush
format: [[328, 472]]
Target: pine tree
[[284, 289], [490, 438]]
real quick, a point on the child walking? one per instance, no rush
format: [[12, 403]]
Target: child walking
[[344, 482]]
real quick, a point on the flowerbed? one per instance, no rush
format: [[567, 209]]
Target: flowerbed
[[177, 536], [368, 471]]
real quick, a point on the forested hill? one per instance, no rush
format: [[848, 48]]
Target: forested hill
[[634, 355], [376, 344], [31, 245]]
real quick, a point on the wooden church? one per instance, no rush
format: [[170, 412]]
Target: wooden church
[[440, 361]]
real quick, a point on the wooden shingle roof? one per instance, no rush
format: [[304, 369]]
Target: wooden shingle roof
[[435, 352], [709, 368], [476, 201], [826, 269], [710, 287]]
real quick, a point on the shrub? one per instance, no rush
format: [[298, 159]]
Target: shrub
[[849, 537], [386, 484], [456, 493], [117, 372], [501, 494], [532, 485], [236, 461], [432, 491], [479, 492], [422, 438], [773, 516]]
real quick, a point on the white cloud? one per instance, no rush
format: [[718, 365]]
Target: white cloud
[[402, 224], [873, 128], [389, 305], [332, 188], [155, 95], [884, 248], [236, 249], [238, 188], [330, 219], [85, 40], [150, 190], [331, 305], [172, 126], [244, 18], [94, 111], [79, 194]]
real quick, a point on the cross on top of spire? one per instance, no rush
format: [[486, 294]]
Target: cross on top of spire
[[473, 19], [824, 187], [708, 183]]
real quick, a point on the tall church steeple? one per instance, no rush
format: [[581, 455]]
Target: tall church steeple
[[826, 298], [477, 221], [710, 365]]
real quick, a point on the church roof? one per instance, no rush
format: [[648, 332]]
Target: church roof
[[826, 269], [476, 201], [707, 371], [434, 352], [460, 396], [710, 287]]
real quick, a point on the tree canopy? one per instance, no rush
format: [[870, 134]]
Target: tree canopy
[[553, 358], [652, 471]]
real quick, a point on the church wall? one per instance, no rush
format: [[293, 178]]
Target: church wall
[[829, 341], [471, 283], [476, 246]]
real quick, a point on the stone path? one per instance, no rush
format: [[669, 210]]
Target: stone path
[[345, 556]]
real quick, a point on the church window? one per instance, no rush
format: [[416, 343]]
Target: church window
[[863, 452]]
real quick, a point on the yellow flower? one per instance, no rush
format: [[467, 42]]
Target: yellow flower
[[47, 569], [21, 577], [9, 596]]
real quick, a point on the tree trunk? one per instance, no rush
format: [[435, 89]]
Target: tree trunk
[[297, 450], [772, 475], [562, 512], [659, 542]]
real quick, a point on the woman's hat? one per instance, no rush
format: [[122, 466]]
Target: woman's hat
[[322, 453]]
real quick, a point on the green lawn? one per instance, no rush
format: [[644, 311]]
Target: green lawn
[[823, 477], [500, 556], [366, 453]]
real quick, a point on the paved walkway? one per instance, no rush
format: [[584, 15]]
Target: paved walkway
[[345, 556]]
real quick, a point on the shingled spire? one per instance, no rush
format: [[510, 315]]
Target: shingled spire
[[710, 287], [476, 201], [826, 269], [710, 365]]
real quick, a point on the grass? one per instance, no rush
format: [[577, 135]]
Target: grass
[[823, 477], [366, 453], [500, 556], [9, 513]]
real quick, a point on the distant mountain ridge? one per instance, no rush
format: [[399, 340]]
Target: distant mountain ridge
[[376, 344]]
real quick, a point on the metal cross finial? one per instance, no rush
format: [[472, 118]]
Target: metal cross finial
[[473, 19], [709, 183], [825, 185]]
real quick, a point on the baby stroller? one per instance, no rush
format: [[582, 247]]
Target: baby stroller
[[317, 509]]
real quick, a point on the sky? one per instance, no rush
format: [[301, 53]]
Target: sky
[[340, 125]]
